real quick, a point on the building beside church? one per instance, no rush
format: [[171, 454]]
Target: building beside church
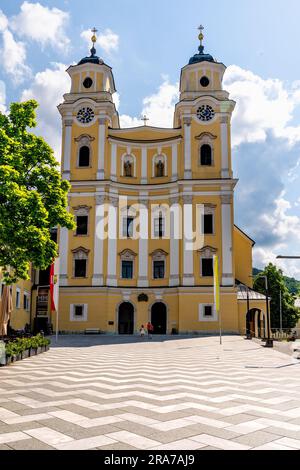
[[153, 207]]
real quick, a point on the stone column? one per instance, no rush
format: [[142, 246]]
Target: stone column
[[113, 169], [187, 148], [144, 165], [188, 249], [112, 242], [224, 147], [227, 265], [174, 162], [99, 239], [143, 244], [101, 148], [174, 241], [63, 255], [67, 149]]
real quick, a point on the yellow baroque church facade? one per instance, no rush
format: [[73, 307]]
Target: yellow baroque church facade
[[153, 206]]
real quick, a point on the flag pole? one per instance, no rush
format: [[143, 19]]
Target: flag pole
[[217, 294]]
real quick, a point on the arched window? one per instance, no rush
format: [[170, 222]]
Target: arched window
[[206, 155], [84, 156]]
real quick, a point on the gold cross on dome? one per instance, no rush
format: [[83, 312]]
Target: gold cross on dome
[[145, 119], [94, 37], [201, 35]]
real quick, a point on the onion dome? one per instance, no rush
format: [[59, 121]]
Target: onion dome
[[201, 56], [93, 58]]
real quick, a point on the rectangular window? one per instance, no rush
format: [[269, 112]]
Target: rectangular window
[[80, 268], [207, 267], [82, 225], [127, 269], [78, 310], [26, 302], [18, 298], [208, 311], [128, 227], [159, 269], [159, 227], [208, 224]]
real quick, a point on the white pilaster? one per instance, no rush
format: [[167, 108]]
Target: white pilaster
[[112, 243], [113, 162], [143, 244], [187, 148], [98, 244], [174, 242], [101, 148], [144, 165], [227, 268], [224, 147], [63, 255], [174, 162], [67, 149], [188, 247]]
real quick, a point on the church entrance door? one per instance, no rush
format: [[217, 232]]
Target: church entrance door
[[159, 318], [126, 319]]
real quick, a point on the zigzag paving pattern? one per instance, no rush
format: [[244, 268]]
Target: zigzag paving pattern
[[165, 394]]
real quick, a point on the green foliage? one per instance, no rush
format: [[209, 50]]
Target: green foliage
[[33, 197], [276, 283], [292, 284], [13, 348]]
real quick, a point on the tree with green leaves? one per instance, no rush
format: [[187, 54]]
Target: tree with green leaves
[[276, 283], [33, 197]]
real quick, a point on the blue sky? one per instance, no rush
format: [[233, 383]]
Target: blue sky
[[147, 43]]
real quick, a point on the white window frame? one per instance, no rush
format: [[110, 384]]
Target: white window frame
[[84, 141], [128, 255], [27, 306], [203, 318], [75, 318]]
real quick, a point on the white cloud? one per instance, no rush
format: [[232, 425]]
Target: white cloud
[[3, 21], [42, 24], [2, 97], [13, 58], [48, 88], [108, 40], [285, 228], [159, 107], [262, 106]]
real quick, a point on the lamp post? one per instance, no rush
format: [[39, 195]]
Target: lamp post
[[287, 257], [269, 343]]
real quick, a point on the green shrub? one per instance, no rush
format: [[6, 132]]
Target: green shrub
[[19, 345]]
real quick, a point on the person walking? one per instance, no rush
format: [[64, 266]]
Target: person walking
[[150, 329], [142, 331]]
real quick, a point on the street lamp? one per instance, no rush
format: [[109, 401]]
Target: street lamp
[[287, 257], [269, 343]]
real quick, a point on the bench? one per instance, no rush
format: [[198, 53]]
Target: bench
[[92, 331]]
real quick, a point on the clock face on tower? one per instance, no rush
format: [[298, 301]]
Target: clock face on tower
[[85, 115], [205, 113]]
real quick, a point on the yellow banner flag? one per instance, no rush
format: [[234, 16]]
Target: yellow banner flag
[[216, 283]]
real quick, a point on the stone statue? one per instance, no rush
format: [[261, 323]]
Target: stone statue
[[128, 168], [160, 167]]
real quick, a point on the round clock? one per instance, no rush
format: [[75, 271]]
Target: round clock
[[85, 115], [205, 113]]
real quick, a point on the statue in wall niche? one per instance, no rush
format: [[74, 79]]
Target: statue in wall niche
[[128, 168], [160, 168]]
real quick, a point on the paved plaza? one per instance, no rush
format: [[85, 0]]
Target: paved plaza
[[114, 393]]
